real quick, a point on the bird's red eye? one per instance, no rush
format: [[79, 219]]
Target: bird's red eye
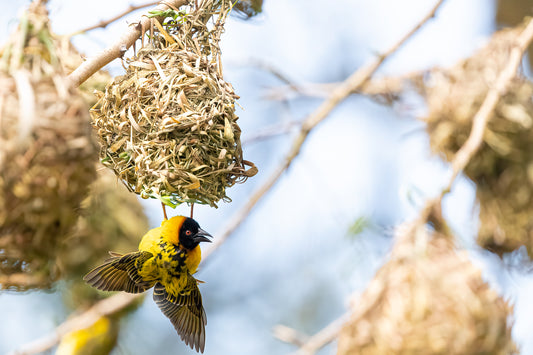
[[188, 232]]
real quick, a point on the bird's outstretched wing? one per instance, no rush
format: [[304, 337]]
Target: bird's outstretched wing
[[185, 311], [120, 273]]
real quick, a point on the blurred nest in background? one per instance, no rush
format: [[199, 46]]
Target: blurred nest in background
[[112, 219], [168, 126], [503, 168], [47, 155], [427, 299]]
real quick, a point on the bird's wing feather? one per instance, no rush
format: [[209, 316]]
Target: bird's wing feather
[[120, 273], [185, 312]]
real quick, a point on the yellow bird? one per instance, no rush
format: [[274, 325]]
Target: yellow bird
[[97, 339], [168, 256]]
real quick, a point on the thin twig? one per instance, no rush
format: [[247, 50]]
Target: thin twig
[[310, 345], [382, 86], [104, 24], [290, 335], [323, 337], [341, 92], [379, 86], [276, 72], [269, 132], [119, 47]]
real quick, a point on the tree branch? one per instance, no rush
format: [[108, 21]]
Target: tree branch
[[382, 86], [311, 345], [104, 24], [269, 132], [117, 49], [340, 93], [432, 209]]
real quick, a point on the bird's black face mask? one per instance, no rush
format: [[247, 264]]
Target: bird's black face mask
[[191, 234]]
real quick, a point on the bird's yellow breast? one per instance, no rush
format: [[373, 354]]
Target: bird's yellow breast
[[193, 259]]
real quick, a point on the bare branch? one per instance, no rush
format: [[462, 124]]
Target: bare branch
[[104, 24], [379, 86], [340, 93], [382, 86], [323, 337], [105, 307], [276, 72], [269, 132], [290, 335], [117, 49], [311, 345]]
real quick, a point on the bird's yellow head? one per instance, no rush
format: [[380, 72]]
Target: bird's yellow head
[[185, 231]]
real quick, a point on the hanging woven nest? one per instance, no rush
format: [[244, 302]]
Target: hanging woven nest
[[47, 156], [503, 168], [168, 127], [427, 299]]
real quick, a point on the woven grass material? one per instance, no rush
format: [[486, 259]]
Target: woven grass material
[[47, 155], [168, 127], [427, 299], [503, 168]]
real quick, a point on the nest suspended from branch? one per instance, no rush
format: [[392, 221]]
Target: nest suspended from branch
[[503, 168], [427, 299], [47, 156], [168, 127]]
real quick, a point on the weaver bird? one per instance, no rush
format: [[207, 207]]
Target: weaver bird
[[168, 256], [97, 339]]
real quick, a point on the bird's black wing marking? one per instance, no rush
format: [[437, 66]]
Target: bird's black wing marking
[[133, 272], [185, 312], [119, 273]]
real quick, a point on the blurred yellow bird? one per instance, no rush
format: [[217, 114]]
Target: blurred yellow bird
[[97, 339], [168, 256]]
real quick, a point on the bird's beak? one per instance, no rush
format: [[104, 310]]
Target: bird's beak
[[202, 235]]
